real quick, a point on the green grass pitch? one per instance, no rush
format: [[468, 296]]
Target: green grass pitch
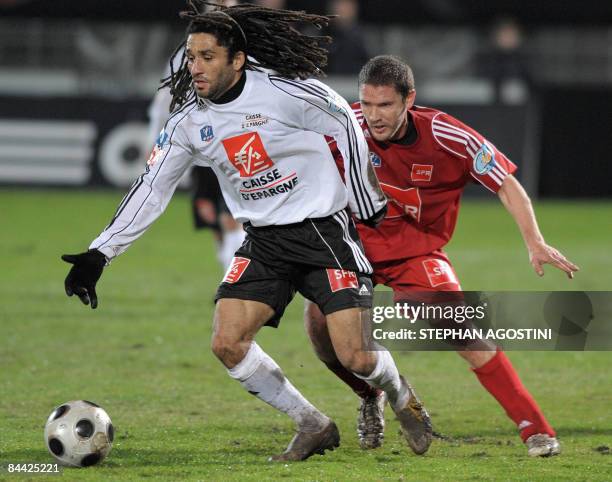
[[144, 356]]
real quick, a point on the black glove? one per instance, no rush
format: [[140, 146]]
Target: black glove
[[84, 275], [377, 218]]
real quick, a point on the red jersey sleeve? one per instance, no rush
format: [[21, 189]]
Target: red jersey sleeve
[[485, 163]]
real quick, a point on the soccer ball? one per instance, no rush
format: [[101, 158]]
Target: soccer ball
[[79, 433]]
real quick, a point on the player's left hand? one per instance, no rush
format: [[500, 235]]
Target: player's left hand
[[545, 254]]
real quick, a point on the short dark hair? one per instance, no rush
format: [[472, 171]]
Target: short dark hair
[[388, 70]]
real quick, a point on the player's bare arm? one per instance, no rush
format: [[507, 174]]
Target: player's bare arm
[[410, 146], [518, 204]]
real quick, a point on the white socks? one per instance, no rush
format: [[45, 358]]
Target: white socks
[[262, 377], [232, 240], [386, 377]]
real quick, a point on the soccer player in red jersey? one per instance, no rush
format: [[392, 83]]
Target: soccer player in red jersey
[[423, 159]]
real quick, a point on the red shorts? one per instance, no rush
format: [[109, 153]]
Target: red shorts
[[431, 272]]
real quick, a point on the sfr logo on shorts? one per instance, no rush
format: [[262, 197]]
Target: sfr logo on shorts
[[341, 279], [439, 272], [236, 269], [247, 153]]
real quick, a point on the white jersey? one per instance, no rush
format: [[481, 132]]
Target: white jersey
[[268, 150]]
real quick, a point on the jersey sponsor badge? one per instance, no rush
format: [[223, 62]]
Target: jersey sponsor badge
[[236, 269], [163, 139], [246, 152], [254, 120], [341, 279], [439, 272], [421, 172], [484, 160], [403, 201], [375, 159], [334, 103], [206, 133], [158, 151]]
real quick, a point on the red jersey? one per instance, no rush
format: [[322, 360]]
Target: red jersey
[[424, 181]]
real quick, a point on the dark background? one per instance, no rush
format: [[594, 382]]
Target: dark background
[[569, 109], [413, 12]]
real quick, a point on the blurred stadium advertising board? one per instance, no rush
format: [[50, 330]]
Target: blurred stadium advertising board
[[72, 142], [95, 141], [79, 142], [46, 151]]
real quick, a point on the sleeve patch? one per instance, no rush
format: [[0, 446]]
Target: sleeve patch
[[334, 103], [484, 160]]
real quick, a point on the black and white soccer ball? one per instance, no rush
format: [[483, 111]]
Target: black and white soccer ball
[[79, 433]]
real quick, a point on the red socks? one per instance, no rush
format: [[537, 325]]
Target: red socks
[[501, 380], [359, 386], [498, 377]]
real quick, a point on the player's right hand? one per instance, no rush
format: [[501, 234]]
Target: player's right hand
[[545, 254], [84, 274]]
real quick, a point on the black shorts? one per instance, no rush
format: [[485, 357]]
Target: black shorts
[[206, 190], [322, 258]]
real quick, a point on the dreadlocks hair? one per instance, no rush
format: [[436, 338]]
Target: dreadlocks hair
[[388, 70], [266, 36]]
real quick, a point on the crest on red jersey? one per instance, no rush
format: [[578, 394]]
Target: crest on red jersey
[[375, 159], [247, 154]]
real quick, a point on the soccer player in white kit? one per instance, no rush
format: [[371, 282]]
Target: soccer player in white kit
[[263, 135], [207, 204]]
